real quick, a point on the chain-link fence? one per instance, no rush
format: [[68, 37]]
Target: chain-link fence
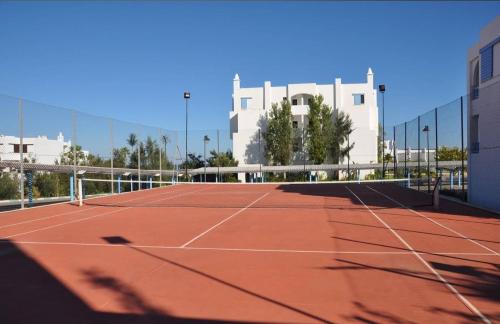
[[44, 149]]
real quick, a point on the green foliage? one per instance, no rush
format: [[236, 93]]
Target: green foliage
[[279, 135], [223, 159], [342, 128], [450, 154], [47, 184], [68, 156], [9, 186], [319, 130]]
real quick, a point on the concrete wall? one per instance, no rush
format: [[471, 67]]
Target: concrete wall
[[484, 165]]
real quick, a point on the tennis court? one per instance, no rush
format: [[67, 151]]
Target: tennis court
[[281, 253]]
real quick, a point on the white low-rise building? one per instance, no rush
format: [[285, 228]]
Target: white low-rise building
[[38, 149], [483, 78], [251, 106]]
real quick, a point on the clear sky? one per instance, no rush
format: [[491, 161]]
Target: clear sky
[[133, 60]]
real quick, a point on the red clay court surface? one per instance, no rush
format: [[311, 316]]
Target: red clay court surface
[[251, 253]]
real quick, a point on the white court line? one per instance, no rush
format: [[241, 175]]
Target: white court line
[[434, 221], [98, 215], [73, 212], [464, 300], [224, 220], [166, 247]]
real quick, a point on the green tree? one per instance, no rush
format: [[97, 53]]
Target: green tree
[[222, 159], [9, 186], [132, 142], [67, 157], [450, 154], [279, 135], [342, 128], [320, 130], [47, 184], [120, 157]]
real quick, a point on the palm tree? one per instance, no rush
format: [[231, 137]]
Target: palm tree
[[165, 140], [132, 141]]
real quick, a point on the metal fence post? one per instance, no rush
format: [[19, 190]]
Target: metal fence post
[[406, 149], [462, 139], [161, 142], [218, 156], [21, 150], [73, 115], [418, 155], [395, 162], [112, 155], [436, 151]]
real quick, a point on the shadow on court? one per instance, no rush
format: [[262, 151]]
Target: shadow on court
[[419, 201], [31, 294]]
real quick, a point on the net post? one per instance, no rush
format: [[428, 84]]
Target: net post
[[406, 149], [73, 140], [409, 183], [436, 151], [71, 188], [80, 192], [435, 194]]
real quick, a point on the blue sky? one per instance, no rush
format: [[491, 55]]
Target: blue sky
[[133, 60]]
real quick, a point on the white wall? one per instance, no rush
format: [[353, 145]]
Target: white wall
[[483, 174], [245, 122]]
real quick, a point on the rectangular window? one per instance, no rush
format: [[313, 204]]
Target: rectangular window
[[474, 134], [309, 101], [486, 63], [295, 124], [16, 148], [359, 99], [245, 102], [294, 102]]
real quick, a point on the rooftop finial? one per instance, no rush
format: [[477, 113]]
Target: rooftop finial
[[370, 71], [236, 77]]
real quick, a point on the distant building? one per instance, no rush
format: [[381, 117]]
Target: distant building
[[412, 154], [251, 106], [483, 79], [36, 149]]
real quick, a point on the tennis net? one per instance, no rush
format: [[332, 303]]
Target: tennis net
[[296, 195]]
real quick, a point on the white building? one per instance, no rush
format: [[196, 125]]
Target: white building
[[412, 154], [483, 79], [38, 149], [251, 105]]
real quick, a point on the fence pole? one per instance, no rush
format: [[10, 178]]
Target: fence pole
[[304, 150], [436, 151], [395, 162], [462, 138], [161, 143], [218, 156], [21, 150], [418, 155], [112, 156], [260, 161], [74, 150], [406, 148]]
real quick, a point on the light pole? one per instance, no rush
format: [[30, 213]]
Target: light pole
[[205, 142], [381, 88], [426, 130], [187, 96]]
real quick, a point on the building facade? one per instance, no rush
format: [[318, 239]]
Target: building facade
[[252, 105], [483, 78], [38, 149]]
